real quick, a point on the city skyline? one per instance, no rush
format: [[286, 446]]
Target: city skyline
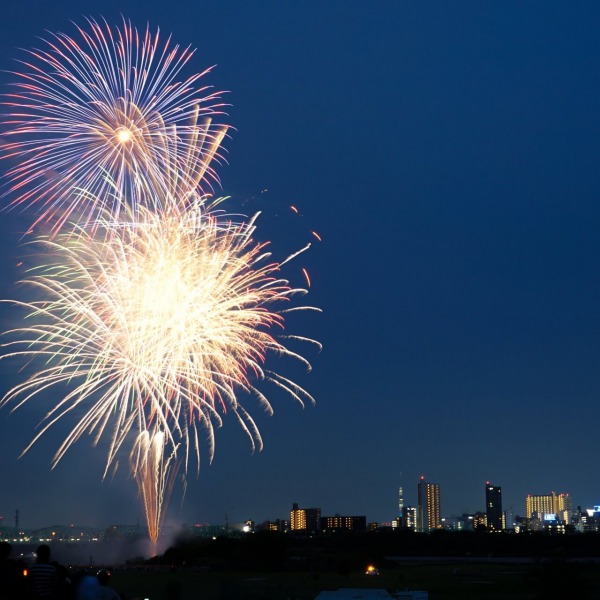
[[428, 514], [447, 156]]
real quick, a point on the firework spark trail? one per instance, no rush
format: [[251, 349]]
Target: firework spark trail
[[154, 475], [157, 329], [108, 110], [153, 310]]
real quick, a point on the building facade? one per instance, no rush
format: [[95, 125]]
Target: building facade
[[549, 504], [339, 522], [429, 513], [410, 518], [305, 519], [493, 507]]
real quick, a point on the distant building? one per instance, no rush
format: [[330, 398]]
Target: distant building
[[586, 521], [344, 523], [451, 523], [550, 504], [538, 504], [592, 512], [480, 521], [280, 525], [493, 507], [464, 522], [305, 519], [409, 517], [429, 515]]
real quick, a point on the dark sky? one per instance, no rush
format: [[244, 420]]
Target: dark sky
[[448, 153]]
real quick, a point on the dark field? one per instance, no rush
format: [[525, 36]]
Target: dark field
[[443, 580], [274, 566]]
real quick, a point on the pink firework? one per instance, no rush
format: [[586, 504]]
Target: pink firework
[[106, 119]]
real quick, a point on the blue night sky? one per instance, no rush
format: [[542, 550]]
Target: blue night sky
[[447, 153]]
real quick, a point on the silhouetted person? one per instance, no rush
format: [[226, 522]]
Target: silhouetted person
[[88, 587], [106, 593], [64, 585], [42, 577], [9, 575]]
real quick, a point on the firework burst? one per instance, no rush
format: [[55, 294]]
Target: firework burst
[[154, 333], [152, 311], [108, 112]]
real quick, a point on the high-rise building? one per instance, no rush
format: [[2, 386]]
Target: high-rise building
[[538, 504], [509, 519], [409, 517], [550, 504], [305, 519], [429, 515], [564, 508], [493, 507]]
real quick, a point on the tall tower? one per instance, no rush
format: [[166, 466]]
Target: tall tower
[[429, 516], [400, 498], [493, 507]]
